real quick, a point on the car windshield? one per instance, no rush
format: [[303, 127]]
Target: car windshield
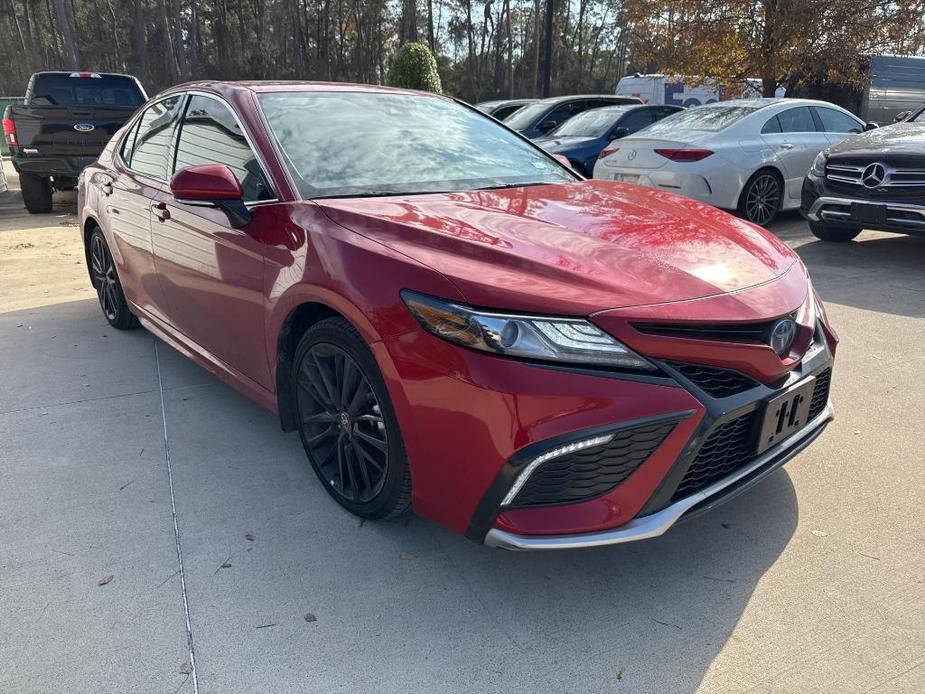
[[703, 118], [523, 118], [86, 89], [593, 123], [361, 144]]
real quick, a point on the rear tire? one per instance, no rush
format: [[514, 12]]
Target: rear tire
[[36, 193], [347, 422], [761, 197], [827, 232], [107, 285]]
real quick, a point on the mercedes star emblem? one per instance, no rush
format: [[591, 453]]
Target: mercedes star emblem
[[873, 175]]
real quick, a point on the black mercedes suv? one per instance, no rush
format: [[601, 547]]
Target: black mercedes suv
[[874, 180]]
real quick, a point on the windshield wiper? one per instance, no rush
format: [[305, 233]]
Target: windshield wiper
[[502, 186]]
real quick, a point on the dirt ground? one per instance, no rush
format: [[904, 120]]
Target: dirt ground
[[41, 256]]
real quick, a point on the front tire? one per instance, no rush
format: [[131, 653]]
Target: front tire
[[761, 197], [828, 232], [107, 285], [36, 193], [347, 422]]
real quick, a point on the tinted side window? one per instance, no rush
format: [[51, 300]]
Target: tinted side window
[[635, 120], [560, 114], [153, 144], [128, 144], [796, 120], [211, 135], [837, 122], [772, 126]]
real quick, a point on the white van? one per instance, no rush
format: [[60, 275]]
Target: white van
[[686, 91]]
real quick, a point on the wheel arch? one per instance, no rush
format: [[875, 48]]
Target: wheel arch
[[89, 224], [300, 315], [766, 166]]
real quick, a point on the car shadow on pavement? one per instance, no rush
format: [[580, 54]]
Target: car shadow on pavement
[[399, 606], [877, 271]]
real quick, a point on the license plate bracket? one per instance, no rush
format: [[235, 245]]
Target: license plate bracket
[[785, 414], [867, 213]]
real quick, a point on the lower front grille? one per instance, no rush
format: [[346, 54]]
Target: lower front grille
[[727, 448], [820, 394], [731, 445], [720, 383], [591, 472]]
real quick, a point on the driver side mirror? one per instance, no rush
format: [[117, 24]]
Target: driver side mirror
[[212, 185], [548, 126], [870, 125]]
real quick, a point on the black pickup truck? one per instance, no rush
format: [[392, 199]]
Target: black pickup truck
[[66, 121]]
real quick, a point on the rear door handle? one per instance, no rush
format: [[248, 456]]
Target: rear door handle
[[786, 145], [160, 211]]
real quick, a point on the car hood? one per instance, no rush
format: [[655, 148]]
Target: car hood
[[899, 137], [571, 249], [560, 144]]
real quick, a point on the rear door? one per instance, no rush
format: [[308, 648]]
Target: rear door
[[793, 136], [138, 177], [211, 273]]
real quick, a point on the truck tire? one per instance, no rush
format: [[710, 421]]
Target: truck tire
[[36, 193]]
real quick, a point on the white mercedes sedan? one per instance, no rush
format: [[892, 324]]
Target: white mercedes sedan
[[747, 155]]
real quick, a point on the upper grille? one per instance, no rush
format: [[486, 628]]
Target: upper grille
[[900, 181], [820, 394], [727, 448], [720, 383], [727, 332], [592, 472]]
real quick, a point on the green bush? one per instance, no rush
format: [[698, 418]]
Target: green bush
[[414, 67]]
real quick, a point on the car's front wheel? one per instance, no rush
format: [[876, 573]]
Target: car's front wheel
[[761, 198], [107, 285], [828, 232], [347, 423]]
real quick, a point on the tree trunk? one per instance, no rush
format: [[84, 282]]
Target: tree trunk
[[64, 19]]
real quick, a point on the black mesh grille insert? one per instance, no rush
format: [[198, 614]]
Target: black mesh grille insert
[[727, 448], [593, 471], [820, 393], [720, 383]]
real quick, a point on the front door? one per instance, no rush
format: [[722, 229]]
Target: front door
[[211, 273]]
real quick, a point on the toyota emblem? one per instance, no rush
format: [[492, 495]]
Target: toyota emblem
[[873, 175], [782, 335]]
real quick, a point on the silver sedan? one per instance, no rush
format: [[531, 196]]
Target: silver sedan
[[747, 155]]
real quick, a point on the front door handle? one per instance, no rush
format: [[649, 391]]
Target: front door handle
[[160, 211], [786, 145]]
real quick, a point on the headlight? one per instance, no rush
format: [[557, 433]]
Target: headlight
[[818, 167], [572, 340]]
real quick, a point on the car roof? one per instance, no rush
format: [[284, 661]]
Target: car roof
[[506, 102], [763, 102], [569, 97], [227, 87]]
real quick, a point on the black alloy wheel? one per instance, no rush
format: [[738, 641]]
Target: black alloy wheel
[[107, 285], [761, 198], [347, 424]]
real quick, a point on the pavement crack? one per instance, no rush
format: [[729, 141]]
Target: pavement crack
[[176, 527]]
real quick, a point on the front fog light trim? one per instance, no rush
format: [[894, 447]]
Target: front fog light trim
[[554, 453]]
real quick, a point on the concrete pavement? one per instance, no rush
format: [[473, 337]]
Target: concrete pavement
[[811, 582]]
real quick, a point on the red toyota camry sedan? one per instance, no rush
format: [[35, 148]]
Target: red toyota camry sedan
[[453, 320]]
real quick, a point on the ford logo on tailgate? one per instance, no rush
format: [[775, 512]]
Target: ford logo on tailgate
[[84, 127]]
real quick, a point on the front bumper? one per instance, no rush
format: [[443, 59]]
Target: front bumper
[[655, 524], [821, 206]]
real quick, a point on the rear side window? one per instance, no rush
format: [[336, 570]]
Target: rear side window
[[837, 122], [210, 134], [128, 144], [86, 90], [796, 120], [772, 126], [636, 120], [153, 149]]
